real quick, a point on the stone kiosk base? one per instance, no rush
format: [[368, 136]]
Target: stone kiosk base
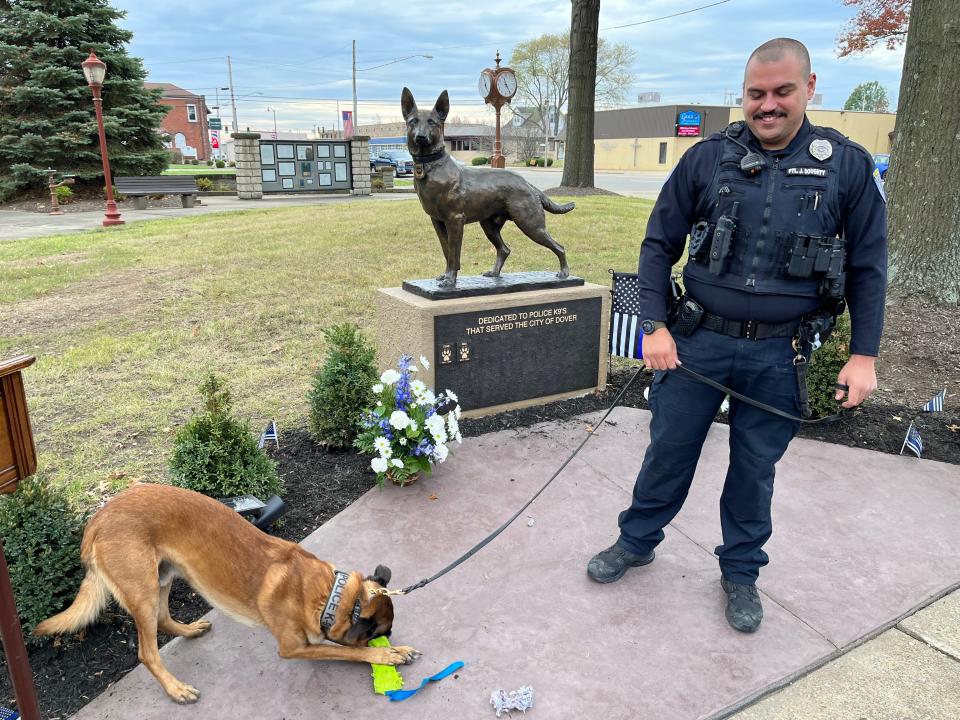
[[496, 347]]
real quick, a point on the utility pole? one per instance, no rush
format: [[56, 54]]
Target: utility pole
[[354, 86], [233, 96], [546, 124]]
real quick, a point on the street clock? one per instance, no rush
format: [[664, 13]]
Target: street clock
[[497, 86]]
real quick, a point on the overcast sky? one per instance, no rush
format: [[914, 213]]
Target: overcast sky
[[296, 56]]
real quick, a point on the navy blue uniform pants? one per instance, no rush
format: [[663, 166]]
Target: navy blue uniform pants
[[683, 410]]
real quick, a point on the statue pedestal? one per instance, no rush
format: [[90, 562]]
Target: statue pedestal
[[502, 351]]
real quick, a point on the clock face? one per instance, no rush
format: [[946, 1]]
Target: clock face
[[506, 84], [484, 84]]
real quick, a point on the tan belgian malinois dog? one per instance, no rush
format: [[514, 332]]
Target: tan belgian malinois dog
[[147, 536]]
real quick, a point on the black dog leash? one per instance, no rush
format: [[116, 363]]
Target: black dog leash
[[695, 375], [763, 406], [483, 543]]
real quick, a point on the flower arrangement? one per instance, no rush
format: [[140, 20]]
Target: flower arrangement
[[409, 429]]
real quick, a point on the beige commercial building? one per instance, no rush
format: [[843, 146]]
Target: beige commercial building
[[654, 138]]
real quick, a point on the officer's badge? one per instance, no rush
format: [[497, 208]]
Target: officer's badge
[[821, 149]]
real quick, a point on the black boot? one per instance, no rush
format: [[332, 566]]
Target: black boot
[[610, 564], [744, 611]]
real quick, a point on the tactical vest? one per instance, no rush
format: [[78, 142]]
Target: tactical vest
[[788, 220]]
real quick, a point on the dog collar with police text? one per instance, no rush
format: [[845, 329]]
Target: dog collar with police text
[[329, 615]]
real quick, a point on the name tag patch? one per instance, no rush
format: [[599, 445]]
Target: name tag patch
[[807, 171]]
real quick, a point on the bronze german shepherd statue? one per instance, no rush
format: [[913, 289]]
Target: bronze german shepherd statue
[[454, 196]]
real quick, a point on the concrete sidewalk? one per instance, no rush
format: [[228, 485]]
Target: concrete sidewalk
[[15, 224], [862, 541]]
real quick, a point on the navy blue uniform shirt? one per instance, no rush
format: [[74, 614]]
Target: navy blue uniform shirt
[[862, 207]]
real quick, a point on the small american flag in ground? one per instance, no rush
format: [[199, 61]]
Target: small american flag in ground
[[626, 336], [913, 442], [935, 404]]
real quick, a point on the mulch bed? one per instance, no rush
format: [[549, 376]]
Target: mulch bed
[[917, 361]]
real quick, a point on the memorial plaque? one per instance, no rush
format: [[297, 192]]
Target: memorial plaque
[[510, 354]]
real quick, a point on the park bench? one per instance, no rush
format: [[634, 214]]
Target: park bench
[[140, 187]]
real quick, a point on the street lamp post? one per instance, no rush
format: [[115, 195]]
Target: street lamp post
[[274, 111], [94, 69]]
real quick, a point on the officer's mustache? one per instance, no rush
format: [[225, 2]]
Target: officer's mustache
[[764, 116]]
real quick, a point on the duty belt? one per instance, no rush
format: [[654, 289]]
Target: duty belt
[[750, 329]]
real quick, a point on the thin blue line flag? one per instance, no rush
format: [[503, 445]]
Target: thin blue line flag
[[913, 442], [935, 404], [269, 433], [626, 336]]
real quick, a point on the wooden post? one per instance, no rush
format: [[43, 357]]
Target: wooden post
[[18, 460]]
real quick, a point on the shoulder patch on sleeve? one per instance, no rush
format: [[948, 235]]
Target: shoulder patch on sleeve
[[879, 183]]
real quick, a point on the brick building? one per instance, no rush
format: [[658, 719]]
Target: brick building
[[186, 121]]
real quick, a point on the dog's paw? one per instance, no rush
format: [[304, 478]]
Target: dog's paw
[[492, 273], [563, 274], [399, 655], [182, 693], [198, 628]]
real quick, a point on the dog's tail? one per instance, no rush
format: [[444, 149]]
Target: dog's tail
[[91, 599], [550, 206]]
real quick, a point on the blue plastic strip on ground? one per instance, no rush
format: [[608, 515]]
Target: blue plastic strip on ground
[[397, 695]]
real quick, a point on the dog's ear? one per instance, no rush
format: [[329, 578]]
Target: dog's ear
[[381, 575], [408, 106], [442, 108]]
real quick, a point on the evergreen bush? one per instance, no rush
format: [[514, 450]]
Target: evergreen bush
[[204, 184], [46, 108], [221, 163], [825, 365], [480, 160], [41, 534], [216, 454], [342, 386]]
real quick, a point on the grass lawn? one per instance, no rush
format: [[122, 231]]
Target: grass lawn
[[202, 169], [124, 322]]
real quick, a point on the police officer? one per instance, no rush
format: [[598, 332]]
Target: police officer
[[786, 220]]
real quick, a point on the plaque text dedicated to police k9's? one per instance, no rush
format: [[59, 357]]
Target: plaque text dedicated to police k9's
[[506, 355]]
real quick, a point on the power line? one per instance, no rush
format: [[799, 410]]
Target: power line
[[666, 17]]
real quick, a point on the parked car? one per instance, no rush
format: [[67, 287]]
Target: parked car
[[882, 162], [400, 160], [377, 162]]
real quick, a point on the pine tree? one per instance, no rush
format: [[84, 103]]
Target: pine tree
[[46, 108]]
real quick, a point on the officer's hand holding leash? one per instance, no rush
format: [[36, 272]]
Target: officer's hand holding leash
[[660, 351], [856, 380]]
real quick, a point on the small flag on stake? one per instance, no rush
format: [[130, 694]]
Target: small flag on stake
[[912, 441], [269, 433], [935, 404]]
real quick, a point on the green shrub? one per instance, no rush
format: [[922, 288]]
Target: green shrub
[[216, 454], [209, 163], [232, 163], [204, 184], [480, 160], [342, 387], [41, 534], [376, 182], [826, 364], [64, 195], [221, 163]]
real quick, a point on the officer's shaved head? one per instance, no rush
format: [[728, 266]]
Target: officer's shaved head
[[774, 50]]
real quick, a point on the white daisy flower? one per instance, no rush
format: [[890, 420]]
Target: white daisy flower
[[418, 387], [435, 425], [403, 441], [458, 437], [378, 388], [440, 452], [424, 362], [450, 394], [399, 419], [456, 412], [389, 377], [379, 465], [397, 463], [453, 427], [428, 398]]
